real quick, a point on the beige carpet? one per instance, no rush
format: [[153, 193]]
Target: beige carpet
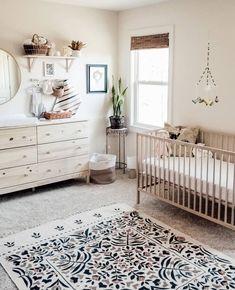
[[23, 210]]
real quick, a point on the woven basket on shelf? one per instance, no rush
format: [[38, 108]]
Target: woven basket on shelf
[[57, 115], [35, 47], [32, 49]]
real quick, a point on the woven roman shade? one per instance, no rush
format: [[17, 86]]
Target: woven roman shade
[[150, 41]]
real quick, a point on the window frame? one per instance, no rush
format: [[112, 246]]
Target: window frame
[[134, 73]]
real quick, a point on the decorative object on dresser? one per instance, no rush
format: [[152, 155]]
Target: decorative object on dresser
[[48, 151], [113, 247], [118, 97], [57, 115], [10, 76], [69, 101], [96, 78]]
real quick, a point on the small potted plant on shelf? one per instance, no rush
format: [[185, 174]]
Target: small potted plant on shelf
[[76, 47], [117, 121]]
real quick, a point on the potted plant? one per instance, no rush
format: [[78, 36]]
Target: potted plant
[[76, 47], [118, 96]]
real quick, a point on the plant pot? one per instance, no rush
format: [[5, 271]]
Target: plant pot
[[76, 53], [117, 122]]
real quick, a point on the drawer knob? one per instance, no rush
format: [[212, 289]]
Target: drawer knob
[[79, 164], [4, 173], [24, 156], [23, 137], [48, 152], [26, 175], [48, 134], [11, 139], [48, 170], [79, 147]]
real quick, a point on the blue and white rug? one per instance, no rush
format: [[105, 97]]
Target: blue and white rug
[[113, 247]]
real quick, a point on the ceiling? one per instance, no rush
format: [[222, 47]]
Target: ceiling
[[115, 5]]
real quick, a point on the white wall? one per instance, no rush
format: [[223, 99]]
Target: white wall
[[19, 20], [194, 21]]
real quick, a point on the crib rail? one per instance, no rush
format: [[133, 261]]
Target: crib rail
[[198, 179]]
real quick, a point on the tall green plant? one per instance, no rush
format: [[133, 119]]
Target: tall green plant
[[118, 98]]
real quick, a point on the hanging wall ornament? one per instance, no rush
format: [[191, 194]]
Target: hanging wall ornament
[[206, 86]]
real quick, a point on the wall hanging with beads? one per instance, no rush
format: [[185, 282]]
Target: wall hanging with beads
[[206, 86]]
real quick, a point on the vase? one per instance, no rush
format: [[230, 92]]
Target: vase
[[76, 53]]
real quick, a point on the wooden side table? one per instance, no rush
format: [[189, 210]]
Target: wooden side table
[[121, 136]]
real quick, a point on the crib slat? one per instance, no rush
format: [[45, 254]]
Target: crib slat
[[174, 152], [207, 184], [226, 190], [184, 175], [168, 173], [220, 187], [189, 174], [195, 180], [214, 186], [201, 183], [146, 162], [141, 161], [154, 164], [139, 166], [159, 170], [164, 166], [233, 199], [178, 194], [150, 161]]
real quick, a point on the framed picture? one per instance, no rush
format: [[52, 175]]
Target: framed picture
[[96, 78], [49, 69]]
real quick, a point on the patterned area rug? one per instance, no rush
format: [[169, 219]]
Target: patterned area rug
[[113, 247]]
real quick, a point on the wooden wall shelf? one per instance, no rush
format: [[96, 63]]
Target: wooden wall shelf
[[33, 58]]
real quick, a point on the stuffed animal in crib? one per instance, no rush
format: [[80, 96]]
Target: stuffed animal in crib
[[162, 148]]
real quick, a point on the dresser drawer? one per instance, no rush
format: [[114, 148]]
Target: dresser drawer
[[62, 167], [17, 137], [62, 132], [18, 175], [59, 150], [18, 156]]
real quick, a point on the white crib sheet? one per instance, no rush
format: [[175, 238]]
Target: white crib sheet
[[194, 174]]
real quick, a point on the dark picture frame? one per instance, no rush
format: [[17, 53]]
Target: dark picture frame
[[96, 78]]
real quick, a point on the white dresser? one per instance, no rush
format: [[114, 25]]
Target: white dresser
[[46, 152]]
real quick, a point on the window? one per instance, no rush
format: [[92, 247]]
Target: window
[[150, 79]]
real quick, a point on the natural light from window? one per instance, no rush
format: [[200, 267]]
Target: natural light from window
[[150, 69]]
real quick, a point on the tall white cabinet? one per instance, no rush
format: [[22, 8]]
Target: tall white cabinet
[[43, 153]]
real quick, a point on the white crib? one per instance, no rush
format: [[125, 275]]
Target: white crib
[[198, 179]]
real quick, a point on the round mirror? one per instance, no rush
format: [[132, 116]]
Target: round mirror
[[10, 76]]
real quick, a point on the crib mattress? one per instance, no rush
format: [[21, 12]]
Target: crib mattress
[[211, 176]]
